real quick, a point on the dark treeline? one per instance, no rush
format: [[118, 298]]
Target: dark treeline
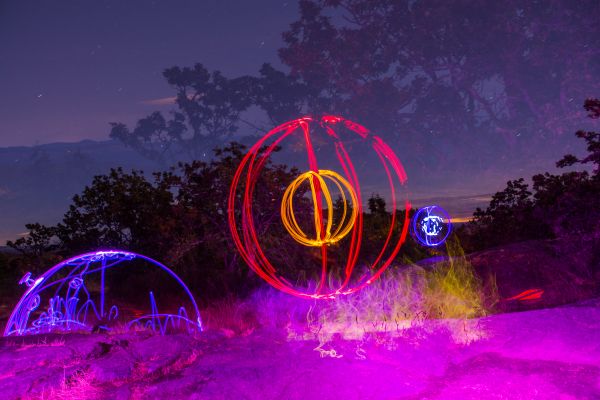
[[179, 217], [557, 206]]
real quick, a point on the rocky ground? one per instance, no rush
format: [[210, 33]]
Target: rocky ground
[[540, 354], [567, 270]]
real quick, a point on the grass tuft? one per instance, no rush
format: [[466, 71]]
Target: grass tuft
[[405, 301], [78, 386]]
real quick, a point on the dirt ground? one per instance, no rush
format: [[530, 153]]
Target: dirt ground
[[541, 354]]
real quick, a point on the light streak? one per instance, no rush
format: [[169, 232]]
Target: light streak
[[530, 294], [321, 237], [71, 305], [240, 205]]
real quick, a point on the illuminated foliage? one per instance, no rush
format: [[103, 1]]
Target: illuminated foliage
[[399, 301], [453, 289]]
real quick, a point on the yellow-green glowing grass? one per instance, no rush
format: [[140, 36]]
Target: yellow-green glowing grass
[[453, 290], [409, 301], [449, 292]]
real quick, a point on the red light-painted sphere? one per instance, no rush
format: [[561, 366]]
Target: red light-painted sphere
[[341, 164]]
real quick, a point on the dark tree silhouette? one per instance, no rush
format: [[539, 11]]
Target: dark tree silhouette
[[208, 111], [508, 218], [178, 217], [565, 205], [442, 76], [463, 73], [119, 210], [37, 242], [281, 96], [592, 140]]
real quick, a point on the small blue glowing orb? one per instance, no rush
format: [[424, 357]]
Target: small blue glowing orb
[[431, 225]]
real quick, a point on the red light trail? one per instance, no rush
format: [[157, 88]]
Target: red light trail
[[240, 205]]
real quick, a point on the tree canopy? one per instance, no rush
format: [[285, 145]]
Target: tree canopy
[[442, 76]]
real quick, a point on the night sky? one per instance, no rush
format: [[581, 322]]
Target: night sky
[[69, 68]]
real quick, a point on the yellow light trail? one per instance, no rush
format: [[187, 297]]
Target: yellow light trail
[[327, 237]]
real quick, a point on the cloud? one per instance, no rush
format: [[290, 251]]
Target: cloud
[[460, 208], [477, 198], [4, 192], [461, 220], [163, 101]]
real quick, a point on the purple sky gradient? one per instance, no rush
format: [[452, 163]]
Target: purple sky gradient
[[69, 68]]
